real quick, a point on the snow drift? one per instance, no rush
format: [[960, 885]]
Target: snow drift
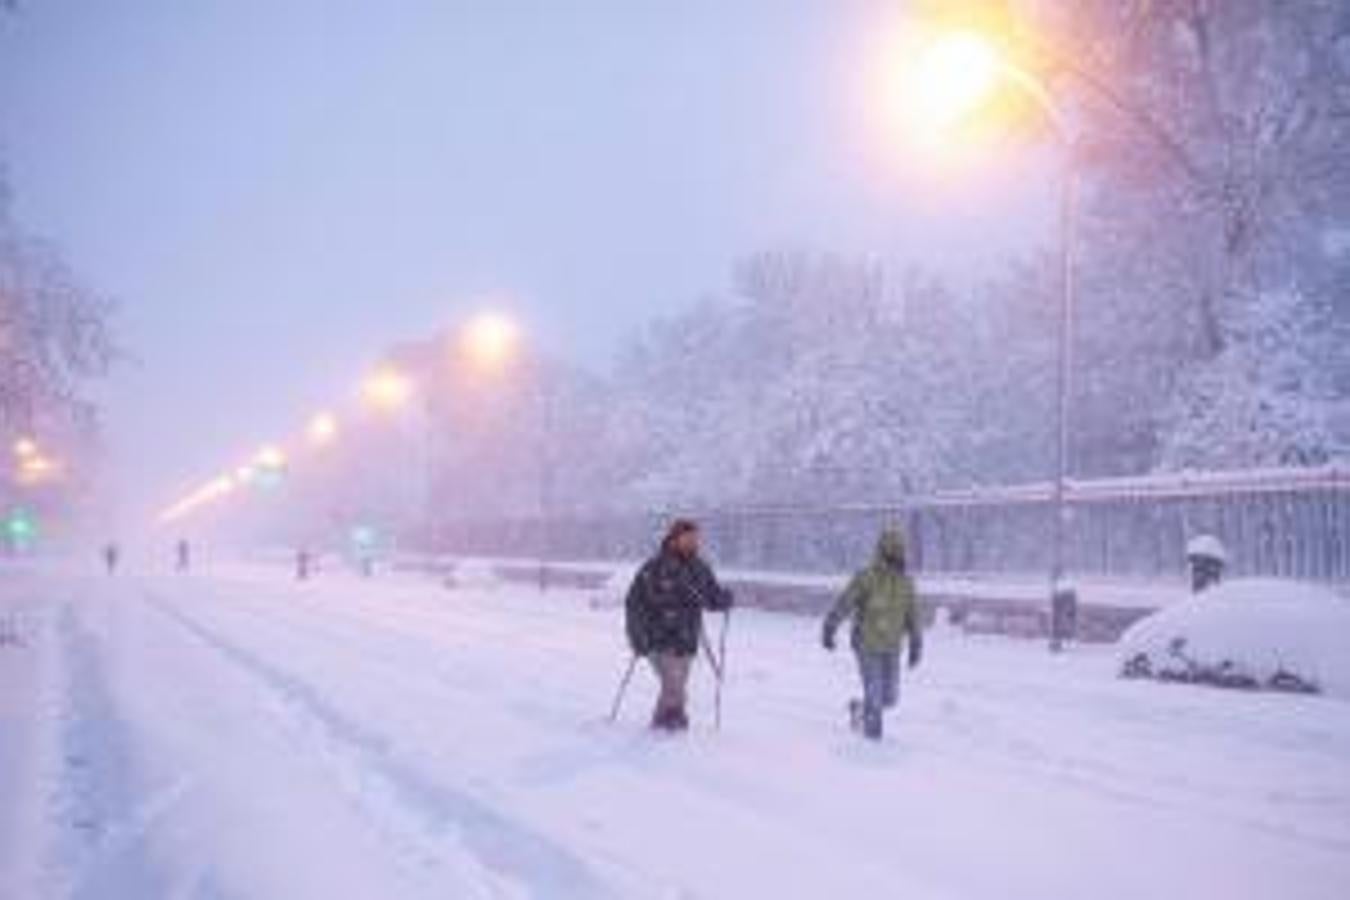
[[612, 593], [1255, 634]]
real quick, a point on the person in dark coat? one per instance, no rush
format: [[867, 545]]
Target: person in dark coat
[[664, 609]]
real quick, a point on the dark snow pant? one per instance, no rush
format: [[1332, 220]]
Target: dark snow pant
[[672, 669], [880, 671]]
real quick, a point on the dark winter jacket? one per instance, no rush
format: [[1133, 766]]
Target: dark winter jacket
[[881, 602], [666, 602]]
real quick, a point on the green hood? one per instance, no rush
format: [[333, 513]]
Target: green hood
[[891, 549]]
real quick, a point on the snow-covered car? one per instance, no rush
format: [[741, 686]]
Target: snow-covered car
[[1254, 634]]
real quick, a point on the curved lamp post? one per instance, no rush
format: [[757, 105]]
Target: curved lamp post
[[958, 73]]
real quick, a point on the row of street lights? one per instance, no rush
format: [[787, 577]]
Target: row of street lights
[[954, 75], [489, 341]]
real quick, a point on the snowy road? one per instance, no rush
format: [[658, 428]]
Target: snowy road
[[239, 736]]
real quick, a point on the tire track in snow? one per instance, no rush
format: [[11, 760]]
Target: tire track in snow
[[105, 817], [515, 859]]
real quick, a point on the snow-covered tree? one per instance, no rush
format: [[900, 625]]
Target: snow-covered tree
[[54, 337], [1264, 401], [1213, 146]]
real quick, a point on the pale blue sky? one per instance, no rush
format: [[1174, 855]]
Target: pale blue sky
[[276, 189]]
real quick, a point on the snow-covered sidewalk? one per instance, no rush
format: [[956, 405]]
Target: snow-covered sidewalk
[[244, 736]]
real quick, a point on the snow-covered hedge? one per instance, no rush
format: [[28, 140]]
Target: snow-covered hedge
[[1256, 634], [470, 574]]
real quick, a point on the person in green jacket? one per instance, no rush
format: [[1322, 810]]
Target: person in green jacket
[[881, 603]]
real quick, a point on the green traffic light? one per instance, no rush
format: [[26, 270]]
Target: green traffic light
[[20, 527]]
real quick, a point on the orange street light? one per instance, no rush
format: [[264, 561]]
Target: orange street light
[[387, 389], [489, 339], [954, 76], [323, 429], [271, 457], [36, 469], [957, 74], [25, 448]]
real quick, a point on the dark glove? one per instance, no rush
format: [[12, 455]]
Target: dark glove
[[915, 653], [827, 640]]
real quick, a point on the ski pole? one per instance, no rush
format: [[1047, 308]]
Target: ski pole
[[721, 667], [706, 645], [623, 688], [717, 662]]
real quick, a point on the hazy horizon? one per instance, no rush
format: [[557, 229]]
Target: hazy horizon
[[276, 192]]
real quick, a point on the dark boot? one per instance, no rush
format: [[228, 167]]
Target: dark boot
[[665, 719], [872, 723]]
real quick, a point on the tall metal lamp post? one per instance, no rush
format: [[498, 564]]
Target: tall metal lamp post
[[959, 72]]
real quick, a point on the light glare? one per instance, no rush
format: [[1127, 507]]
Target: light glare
[[323, 429], [954, 76], [387, 389], [490, 339], [25, 448], [271, 457]]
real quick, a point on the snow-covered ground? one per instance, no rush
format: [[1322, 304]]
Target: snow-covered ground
[[237, 735]]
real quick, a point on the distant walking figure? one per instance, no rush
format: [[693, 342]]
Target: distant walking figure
[[665, 617], [184, 554], [881, 603], [110, 556]]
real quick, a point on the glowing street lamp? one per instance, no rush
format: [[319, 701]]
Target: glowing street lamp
[[489, 339], [387, 389], [36, 469], [270, 467], [323, 429], [25, 448], [956, 75], [271, 457]]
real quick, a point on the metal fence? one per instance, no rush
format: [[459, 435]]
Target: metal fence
[[1290, 522]]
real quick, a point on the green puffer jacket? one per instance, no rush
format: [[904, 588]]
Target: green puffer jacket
[[881, 602]]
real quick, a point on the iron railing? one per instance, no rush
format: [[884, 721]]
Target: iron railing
[[1283, 522]]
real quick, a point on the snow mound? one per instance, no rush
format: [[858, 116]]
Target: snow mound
[[472, 575], [1254, 634], [612, 593]]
